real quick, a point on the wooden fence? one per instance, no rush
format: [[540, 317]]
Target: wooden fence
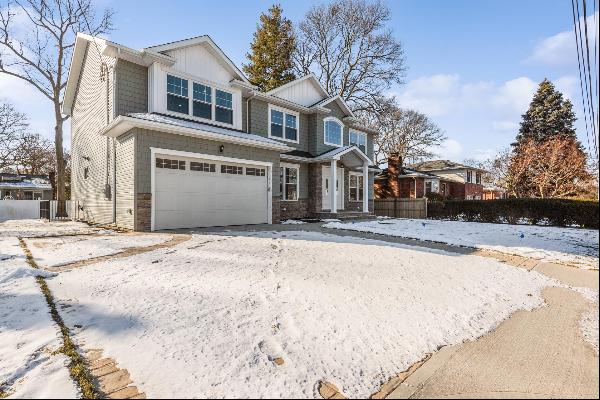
[[401, 208]]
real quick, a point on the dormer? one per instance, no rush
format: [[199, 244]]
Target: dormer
[[202, 84]]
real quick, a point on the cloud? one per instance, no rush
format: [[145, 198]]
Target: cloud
[[560, 50], [450, 149]]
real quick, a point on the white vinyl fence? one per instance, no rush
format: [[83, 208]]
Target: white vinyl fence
[[36, 209], [19, 209]]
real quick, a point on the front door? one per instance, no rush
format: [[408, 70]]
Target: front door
[[326, 187]]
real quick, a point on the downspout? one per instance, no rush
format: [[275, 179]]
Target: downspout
[[248, 112], [114, 143]]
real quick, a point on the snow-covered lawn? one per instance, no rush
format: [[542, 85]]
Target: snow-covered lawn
[[208, 317], [28, 335], [39, 227], [56, 251], [577, 247]]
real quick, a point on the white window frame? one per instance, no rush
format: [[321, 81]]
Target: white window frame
[[334, 119], [284, 111], [188, 97], [214, 86], [359, 191], [282, 183], [359, 133]]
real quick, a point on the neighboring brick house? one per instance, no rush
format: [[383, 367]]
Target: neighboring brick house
[[174, 136], [25, 187], [449, 179]]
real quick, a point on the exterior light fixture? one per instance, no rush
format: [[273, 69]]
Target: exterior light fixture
[[221, 148]]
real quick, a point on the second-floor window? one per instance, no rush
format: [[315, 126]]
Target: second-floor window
[[206, 102], [333, 133], [224, 107], [202, 101], [177, 94], [359, 139], [478, 178], [469, 176], [283, 125]]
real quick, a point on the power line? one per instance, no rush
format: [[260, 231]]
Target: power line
[[583, 98], [590, 83]]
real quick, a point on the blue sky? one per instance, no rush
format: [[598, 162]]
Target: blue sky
[[472, 65]]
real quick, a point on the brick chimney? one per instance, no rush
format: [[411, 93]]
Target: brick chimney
[[394, 164], [394, 170]]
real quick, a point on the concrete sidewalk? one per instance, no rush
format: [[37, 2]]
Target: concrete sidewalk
[[533, 354]]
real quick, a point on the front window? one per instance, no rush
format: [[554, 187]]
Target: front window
[[224, 107], [333, 133], [288, 183], [359, 140], [177, 94], [356, 187], [284, 125], [202, 101]]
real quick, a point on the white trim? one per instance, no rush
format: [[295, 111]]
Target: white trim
[[338, 153], [177, 153], [360, 133], [334, 119], [359, 175], [297, 168], [284, 111], [201, 40], [310, 76], [338, 99], [123, 124]]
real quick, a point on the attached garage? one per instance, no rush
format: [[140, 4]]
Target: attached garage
[[194, 190]]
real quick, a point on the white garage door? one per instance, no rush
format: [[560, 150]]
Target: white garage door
[[194, 192]]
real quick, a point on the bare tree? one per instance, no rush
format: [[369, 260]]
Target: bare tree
[[496, 167], [35, 156], [555, 168], [408, 133], [13, 129], [39, 52], [349, 49]]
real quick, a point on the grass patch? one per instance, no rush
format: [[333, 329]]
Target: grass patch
[[77, 365]]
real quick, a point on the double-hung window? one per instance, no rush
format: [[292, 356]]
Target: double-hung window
[[359, 139], [469, 176], [283, 125], [478, 178], [428, 186], [356, 185], [224, 107], [202, 106], [288, 182], [333, 132], [177, 95]]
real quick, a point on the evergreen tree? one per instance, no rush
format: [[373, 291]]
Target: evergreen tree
[[270, 58], [548, 116]]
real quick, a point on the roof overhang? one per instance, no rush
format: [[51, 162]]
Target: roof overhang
[[337, 154], [123, 124], [340, 102], [288, 104], [311, 77], [203, 40], [107, 49]]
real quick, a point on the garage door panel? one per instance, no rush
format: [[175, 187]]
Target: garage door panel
[[188, 198]]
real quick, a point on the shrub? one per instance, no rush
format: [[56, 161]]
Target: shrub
[[557, 212]]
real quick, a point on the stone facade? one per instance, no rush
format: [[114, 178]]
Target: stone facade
[[143, 212]]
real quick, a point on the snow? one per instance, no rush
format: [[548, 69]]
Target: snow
[[216, 310], [57, 251], [589, 322], [39, 227], [292, 222], [28, 335], [576, 247]]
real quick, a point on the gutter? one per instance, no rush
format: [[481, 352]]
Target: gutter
[[123, 124]]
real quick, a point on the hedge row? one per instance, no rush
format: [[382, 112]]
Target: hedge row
[[557, 212]]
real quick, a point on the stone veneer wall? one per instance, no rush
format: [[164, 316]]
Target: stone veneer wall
[[294, 209]]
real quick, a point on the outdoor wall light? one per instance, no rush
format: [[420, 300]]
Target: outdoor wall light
[[221, 148]]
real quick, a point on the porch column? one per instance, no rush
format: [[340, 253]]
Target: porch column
[[365, 187], [332, 186]]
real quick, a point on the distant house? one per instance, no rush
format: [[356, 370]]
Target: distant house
[[449, 179], [492, 192], [25, 187]]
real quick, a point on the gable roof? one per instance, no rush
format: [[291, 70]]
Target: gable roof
[[441, 165], [310, 77], [202, 40], [340, 102]]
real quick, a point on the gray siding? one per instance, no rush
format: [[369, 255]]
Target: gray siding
[[259, 124], [125, 180], [90, 151], [145, 139], [132, 88]]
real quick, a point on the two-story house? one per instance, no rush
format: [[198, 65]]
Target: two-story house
[[447, 178], [175, 136]]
